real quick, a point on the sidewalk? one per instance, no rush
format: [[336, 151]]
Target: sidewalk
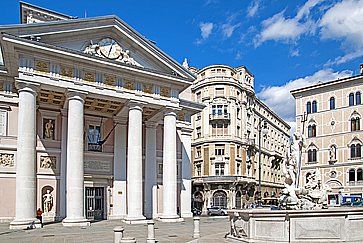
[[212, 230]]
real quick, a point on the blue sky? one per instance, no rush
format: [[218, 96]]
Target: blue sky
[[286, 44]]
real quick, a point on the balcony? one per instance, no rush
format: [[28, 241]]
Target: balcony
[[219, 116]]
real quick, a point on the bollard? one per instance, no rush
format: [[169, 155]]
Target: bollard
[[128, 240], [150, 232], [196, 233], [119, 233]]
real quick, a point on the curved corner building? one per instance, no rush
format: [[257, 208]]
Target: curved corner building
[[225, 140]]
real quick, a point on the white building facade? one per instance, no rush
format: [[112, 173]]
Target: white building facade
[[84, 105]]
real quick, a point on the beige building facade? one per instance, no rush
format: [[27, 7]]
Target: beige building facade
[[225, 150], [330, 117], [84, 104]]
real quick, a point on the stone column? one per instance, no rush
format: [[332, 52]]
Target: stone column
[[119, 170], [63, 172], [169, 169], [186, 192], [25, 201], [75, 163], [150, 170], [134, 164]]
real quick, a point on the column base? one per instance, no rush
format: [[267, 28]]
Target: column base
[[80, 222], [135, 220], [116, 217], [25, 224], [171, 219]]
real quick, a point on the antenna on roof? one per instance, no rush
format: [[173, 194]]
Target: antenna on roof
[[85, 13]]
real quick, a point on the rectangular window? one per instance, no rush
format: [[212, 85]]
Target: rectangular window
[[119, 82], [138, 86], [199, 132], [219, 150], [238, 168], [99, 78], [54, 69], [239, 151], [156, 89], [94, 138], [198, 169], [174, 93], [219, 169], [160, 169], [77, 73], [198, 152], [199, 96]]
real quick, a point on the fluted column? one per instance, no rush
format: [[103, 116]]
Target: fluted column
[[150, 171], [75, 169], [119, 174], [63, 172], [25, 202], [134, 164], [186, 192], [169, 168]]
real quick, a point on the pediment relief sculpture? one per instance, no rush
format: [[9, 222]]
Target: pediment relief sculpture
[[110, 49]]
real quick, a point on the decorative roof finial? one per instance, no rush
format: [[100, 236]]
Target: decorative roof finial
[[185, 63]]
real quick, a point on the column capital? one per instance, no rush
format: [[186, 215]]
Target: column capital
[[76, 94], [25, 86], [64, 112], [135, 105], [170, 111]]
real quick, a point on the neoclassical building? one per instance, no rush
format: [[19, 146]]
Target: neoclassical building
[[85, 107], [225, 150], [330, 117]]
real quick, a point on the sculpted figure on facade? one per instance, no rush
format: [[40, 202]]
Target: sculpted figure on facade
[[48, 162], [91, 49], [49, 129], [47, 202]]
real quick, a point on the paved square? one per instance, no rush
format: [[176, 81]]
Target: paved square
[[212, 229]]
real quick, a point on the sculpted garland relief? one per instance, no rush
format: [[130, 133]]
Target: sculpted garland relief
[[7, 160], [48, 162]]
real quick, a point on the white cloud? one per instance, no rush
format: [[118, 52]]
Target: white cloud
[[253, 8], [344, 21], [206, 29], [279, 99], [228, 29], [295, 53], [280, 28]]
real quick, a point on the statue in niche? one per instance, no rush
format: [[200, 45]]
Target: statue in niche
[[47, 202], [332, 153], [49, 129]]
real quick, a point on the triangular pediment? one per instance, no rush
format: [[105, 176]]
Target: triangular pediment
[[103, 37]]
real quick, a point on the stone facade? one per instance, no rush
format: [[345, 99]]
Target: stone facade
[[329, 115], [85, 130], [226, 138]]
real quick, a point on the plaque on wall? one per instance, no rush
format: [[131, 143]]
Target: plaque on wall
[[48, 128], [97, 166]]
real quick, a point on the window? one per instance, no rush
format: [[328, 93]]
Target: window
[[94, 138], [219, 169], [239, 151], [351, 99], [3, 122], [199, 116], [312, 155], [314, 107], [77, 73], [312, 131], [355, 151], [238, 131], [199, 96], [198, 152], [199, 132], [332, 103], [138, 86], [355, 124], [99, 78], [357, 98], [219, 150], [238, 113], [160, 169], [359, 174], [198, 169], [157, 89], [351, 175], [119, 82], [238, 168], [308, 107]]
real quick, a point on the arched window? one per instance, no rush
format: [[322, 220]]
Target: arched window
[[238, 199], [351, 175], [351, 99], [332, 103], [355, 124], [308, 107], [359, 174], [312, 155], [312, 131], [355, 151], [357, 98], [314, 107], [220, 199]]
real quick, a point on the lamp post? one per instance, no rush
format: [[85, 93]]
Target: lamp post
[[262, 129]]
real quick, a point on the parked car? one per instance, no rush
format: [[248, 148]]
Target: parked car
[[352, 201], [217, 211], [196, 211]]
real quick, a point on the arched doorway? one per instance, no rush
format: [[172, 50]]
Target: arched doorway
[[238, 199], [220, 199]]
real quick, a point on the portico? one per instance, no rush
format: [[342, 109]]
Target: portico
[[91, 121]]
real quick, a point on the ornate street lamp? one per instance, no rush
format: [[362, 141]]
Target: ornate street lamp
[[262, 129]]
